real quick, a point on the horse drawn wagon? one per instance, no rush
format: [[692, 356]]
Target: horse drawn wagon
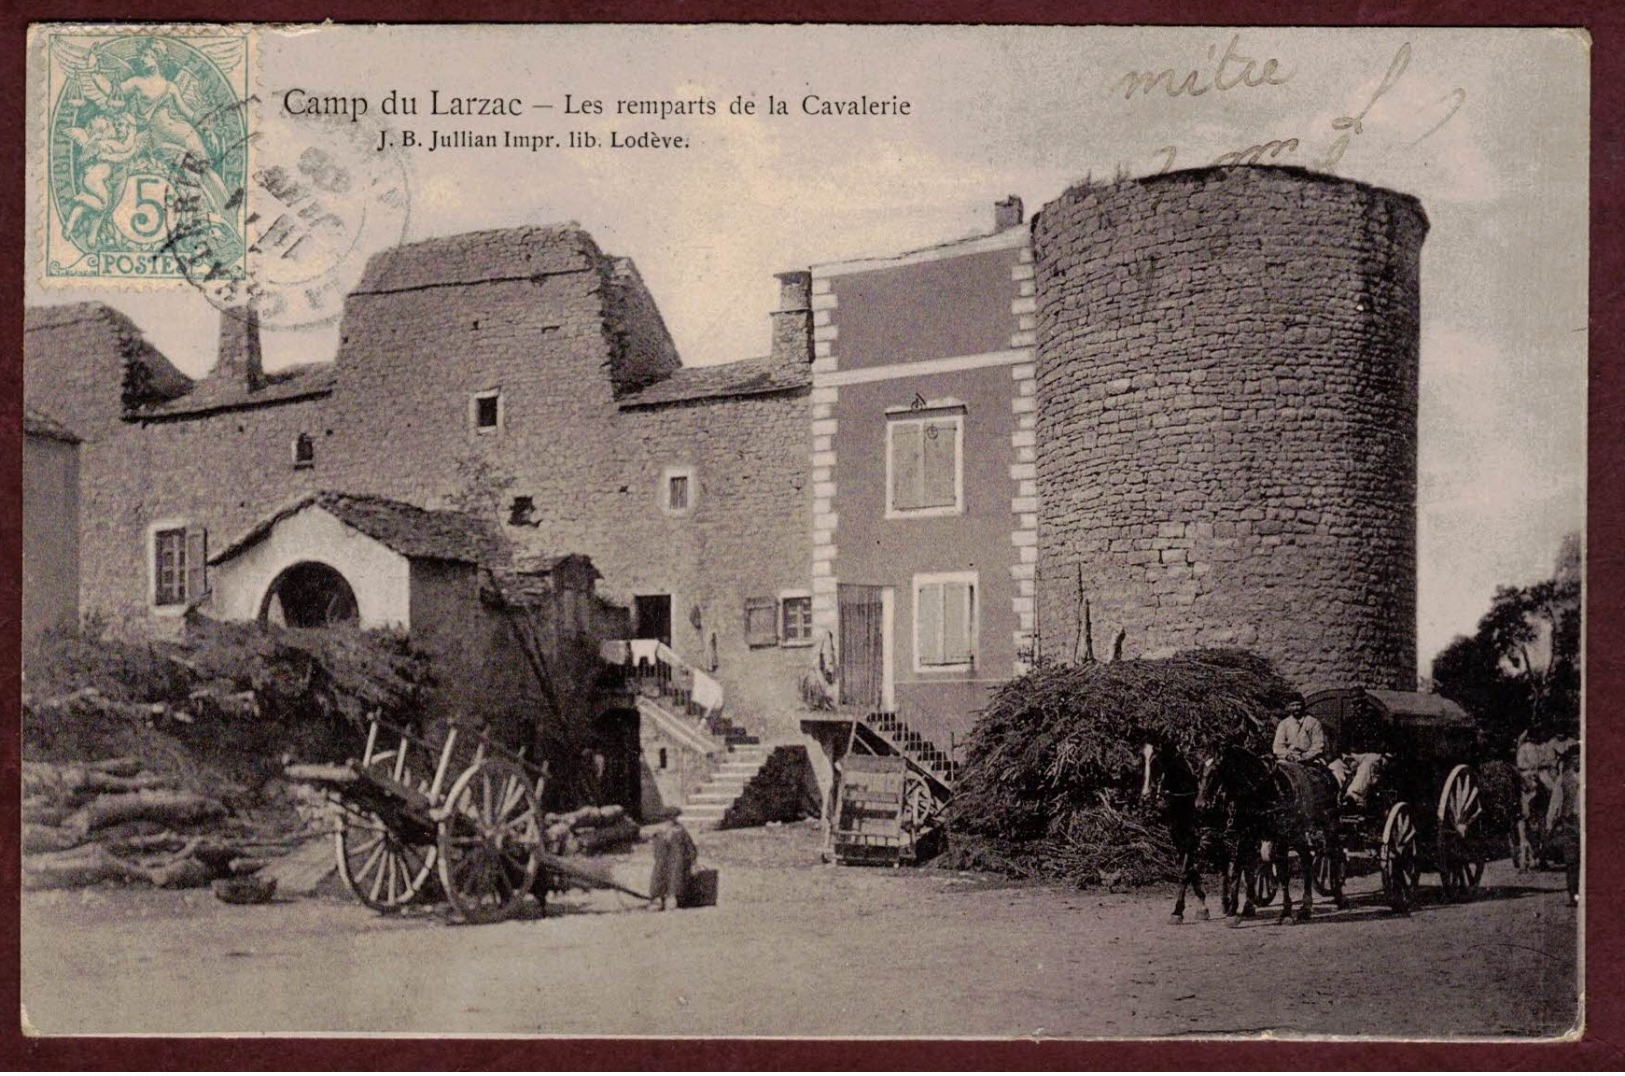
[[1415, 795], [457, 816]]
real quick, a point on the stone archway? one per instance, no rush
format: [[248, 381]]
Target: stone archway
[[309, 595]]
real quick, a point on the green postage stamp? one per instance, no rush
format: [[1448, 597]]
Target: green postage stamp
[[147, 153]]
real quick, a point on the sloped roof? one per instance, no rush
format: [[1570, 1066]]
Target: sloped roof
[[37, 423], [531, 580], [420, 533], [751, 377], [477, 257], [150, 378], [226, 391]]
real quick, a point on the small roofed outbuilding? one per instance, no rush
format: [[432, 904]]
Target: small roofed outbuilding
[[332, 557]]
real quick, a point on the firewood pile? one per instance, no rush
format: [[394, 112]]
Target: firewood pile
[[116, 821], [589, 831]]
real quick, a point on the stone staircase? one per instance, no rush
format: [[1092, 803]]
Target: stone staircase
[[673, 695], [708, 804]]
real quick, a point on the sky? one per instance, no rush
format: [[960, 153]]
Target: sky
[[1489, 128]]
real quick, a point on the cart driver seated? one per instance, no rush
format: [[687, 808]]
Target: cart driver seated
[[1299, 737]]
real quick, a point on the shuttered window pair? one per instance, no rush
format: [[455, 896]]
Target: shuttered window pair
[[772, 621], [944, 621], [180, 556], [925, 464]]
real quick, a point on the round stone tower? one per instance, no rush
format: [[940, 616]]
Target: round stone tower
[[1227, 393]]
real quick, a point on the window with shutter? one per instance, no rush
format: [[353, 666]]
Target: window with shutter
[[180, 565], [944, 621], [924, 464], [761, 622]]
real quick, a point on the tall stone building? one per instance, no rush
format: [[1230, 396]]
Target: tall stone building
[[1227, 402]]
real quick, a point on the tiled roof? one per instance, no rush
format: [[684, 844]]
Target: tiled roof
[[752, 377], [37, 423], [152, 379], [411, 531], [227, 392], [475, 257]]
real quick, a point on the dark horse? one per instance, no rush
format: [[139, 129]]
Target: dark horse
[[1290, 805], [1168, 774]]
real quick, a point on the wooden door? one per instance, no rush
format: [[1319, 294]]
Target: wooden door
[[862, 644]]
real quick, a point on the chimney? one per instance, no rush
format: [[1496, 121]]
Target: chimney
[[1007, 214], [240, 359], [792, 321]]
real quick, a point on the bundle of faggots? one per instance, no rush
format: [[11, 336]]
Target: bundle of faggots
[[117, 821], [589, 831]]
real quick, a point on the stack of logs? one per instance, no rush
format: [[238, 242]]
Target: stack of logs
[[589, 831], [113, 821]]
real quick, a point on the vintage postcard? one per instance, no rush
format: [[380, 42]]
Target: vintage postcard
[[804, 531]]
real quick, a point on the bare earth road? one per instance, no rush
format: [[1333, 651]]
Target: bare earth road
[[798, 948]]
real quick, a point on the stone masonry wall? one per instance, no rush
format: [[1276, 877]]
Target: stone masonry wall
[[1227, 402], [748, 535]]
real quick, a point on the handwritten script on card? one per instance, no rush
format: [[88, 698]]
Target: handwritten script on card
[[1236, 70]]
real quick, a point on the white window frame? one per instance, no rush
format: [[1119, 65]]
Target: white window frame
[[185, 526], [474, 399], [896, 418], [663, 492], [936, 579], [795, 595]]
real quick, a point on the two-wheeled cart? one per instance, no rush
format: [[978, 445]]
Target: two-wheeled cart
[[460, 811]]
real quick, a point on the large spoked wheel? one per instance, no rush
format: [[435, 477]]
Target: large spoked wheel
[[1460, 840], [919, 804], [1397, 857], [489, 836], [380, 866]]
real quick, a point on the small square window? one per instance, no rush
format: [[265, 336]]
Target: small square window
[[304, 452], [795, 620], [485, 410], [677, 490]]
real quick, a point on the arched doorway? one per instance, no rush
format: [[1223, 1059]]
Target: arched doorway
[[309, 595]]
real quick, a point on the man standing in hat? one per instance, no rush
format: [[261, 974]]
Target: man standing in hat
[[1299, 737]]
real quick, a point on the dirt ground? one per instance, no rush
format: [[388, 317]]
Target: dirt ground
[[796, 947]]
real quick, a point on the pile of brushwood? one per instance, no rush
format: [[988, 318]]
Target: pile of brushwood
[[1051, 782], [161, 761]]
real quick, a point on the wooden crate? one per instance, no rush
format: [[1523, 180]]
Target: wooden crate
[[869, 818]]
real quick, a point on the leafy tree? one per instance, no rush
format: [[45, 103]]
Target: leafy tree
[[1522, 666]]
